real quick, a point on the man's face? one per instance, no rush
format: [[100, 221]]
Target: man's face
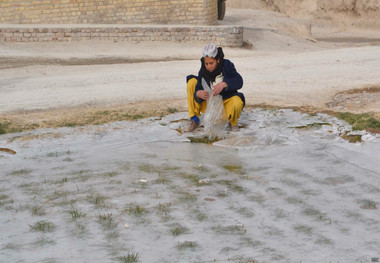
[[210, 63]]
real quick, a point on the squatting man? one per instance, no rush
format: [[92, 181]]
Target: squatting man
[[219, 74]]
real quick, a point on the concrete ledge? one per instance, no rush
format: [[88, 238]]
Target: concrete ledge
[[221, 35]]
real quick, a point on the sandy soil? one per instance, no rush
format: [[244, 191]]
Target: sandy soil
[[286, 62]]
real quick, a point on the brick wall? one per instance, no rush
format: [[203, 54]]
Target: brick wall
[[200, 12], [220, 35]]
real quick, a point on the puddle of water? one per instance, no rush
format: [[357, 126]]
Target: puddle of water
[[285, 187]]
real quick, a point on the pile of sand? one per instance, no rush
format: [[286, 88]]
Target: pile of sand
[[364, 14]]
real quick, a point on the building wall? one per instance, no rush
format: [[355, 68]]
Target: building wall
[[199, 12], [220, 35]]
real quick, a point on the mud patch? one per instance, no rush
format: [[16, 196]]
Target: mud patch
[[356, 99]]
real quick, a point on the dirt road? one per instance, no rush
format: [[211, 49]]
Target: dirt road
[[283, 68]]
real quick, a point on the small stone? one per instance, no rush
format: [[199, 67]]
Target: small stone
[[204, 181]]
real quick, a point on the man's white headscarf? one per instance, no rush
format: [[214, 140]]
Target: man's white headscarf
[[210, 50]]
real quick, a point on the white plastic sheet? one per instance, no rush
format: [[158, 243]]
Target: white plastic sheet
[[215, 118]]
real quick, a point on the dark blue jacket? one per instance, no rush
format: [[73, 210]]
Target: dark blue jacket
[[231, 77]]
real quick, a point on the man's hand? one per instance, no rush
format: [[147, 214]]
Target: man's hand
[[218, 88], [202, 94]]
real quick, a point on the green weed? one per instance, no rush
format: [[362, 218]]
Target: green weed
[[205, 140], [136, 210], [232, 186], [303, 229], [259, 198], [9, 127], [42, 226], [80, 228], [107, 221], [237, 169], [21, 172], [3, 128], [52, 154], [76, 214], [12, 246], [38, 211], [233, 229], [309, 211], [187, 245], [192, 178], [130, 258], [3, 197], [353, 138], [110, 174], [315, 125], [64, 180], [363, 121], [321, 240], [98, 201], [199, 215], [164, 208], [179, 230], [43, 241], [187, 197], [162, 179], [367, 204], [148, 168], [172, 110]]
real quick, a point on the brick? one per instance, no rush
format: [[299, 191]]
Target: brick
[[119, 12]]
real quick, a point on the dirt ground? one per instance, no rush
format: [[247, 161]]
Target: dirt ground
[[286, 62]]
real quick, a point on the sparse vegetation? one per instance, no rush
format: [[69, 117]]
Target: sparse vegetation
[[199, 215], [303, 229], [237, 169], [363, 121], [38, 211], [179, 230], [164, 208], [162, 179], [187, 197], [315, 125], [367, 204], [107, 221], [43, 241], [21, 172], [205, 140], [3, 128], [172, 110], [233, 229], [353, 138], [7, 126], [187, 245], [42, 226], [76, 214], [136, 210], [130, 258], [232, 186], [98, 200]]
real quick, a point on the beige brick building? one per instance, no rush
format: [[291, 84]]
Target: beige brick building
[[199, 12], [193, 21]]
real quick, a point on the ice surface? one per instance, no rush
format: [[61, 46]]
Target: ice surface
[[285, 188]]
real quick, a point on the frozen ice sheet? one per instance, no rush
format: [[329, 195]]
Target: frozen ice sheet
[[285, 188]]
